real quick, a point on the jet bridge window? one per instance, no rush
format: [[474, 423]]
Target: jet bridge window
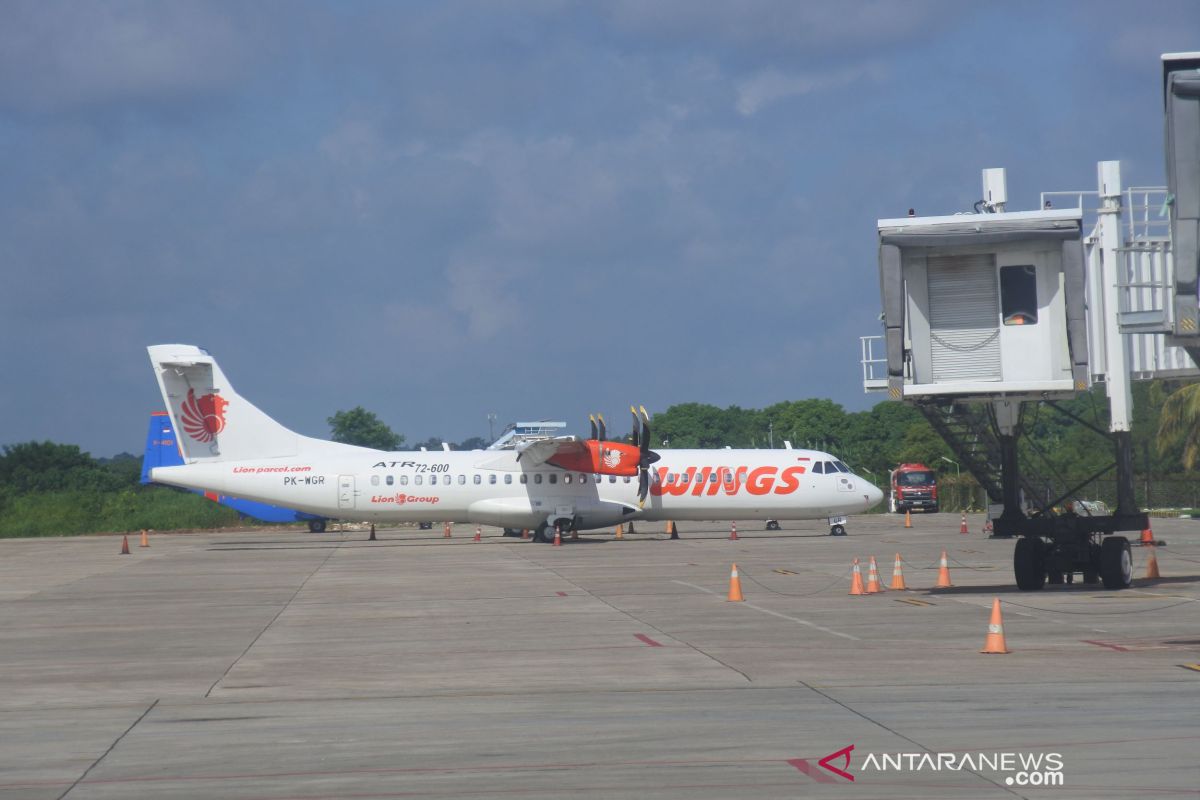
[[1018, 295]]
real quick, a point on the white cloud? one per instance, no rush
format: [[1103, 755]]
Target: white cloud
[[58, 56], [770, 86]]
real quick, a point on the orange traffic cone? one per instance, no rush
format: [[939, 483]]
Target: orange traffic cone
[[733, 537], [1152, 564], [987, 526], [856, 584], [524, 533], [478, 534], [620, 532], [943, 581], [898, 575], [735, 586], [994, 643], [445, 530], [1147, 537], [557, 536], [124, 545], [908, 518], [145, 539], [873, 586], [962, 528]]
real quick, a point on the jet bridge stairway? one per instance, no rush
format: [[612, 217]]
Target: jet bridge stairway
[[970, 432]]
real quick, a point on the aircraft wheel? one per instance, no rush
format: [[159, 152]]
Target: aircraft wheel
[[1028, 564], [1116, 563], [772, 525], [544, 534], [1055, 577], [837, 530], [316, 525]]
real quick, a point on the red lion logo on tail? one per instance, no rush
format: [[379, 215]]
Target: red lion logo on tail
[[203, 417]]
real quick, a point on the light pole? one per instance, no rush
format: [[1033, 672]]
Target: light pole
[[957, 480]]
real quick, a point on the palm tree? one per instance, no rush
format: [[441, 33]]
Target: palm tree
[[1180, 423]]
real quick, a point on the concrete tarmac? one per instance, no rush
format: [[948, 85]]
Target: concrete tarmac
[[264, 665]]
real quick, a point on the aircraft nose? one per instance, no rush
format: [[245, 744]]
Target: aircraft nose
[[873, 493]]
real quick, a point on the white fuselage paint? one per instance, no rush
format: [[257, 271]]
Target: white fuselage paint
[[485, 487]]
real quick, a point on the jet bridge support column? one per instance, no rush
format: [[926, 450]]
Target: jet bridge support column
[[1012, 519]]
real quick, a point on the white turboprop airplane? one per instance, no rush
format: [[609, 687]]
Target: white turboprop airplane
[[231, 447]]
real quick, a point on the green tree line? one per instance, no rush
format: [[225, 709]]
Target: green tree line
[[47, 488]]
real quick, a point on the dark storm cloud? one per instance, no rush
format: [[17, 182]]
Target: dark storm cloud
[[538, 208]]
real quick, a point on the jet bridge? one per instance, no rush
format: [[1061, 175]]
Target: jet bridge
[[990, 314]]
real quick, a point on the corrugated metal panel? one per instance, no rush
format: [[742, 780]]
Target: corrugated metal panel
[[964, 318]]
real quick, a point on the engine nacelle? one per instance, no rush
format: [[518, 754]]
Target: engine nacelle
[[601, 458]]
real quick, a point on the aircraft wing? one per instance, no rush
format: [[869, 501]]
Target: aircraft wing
[[533, 454]]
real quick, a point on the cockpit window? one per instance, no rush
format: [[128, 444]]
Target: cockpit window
[[819, 466], [841, 467]]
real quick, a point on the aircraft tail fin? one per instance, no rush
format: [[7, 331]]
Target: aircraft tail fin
[[211, 421], [162, 448]]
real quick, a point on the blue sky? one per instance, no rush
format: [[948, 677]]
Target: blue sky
[[536, 209]]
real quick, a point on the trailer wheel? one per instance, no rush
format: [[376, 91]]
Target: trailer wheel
[[1029, 564], [837, 530], [1116, 563], [772, 525]]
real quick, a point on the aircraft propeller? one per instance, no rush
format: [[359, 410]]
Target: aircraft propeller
[[641, 440]]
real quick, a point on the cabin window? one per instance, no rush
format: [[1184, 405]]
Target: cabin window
[[524, 478], [462, 480], [404, 480], [478, 480], [685, 477], [554, 477], [671, 477], [374, 480], [729, 477], [612, 478], [654, 477], [712, 478], [1018, 295], [492, 478], [537, 478], [418, 480], [583, 478], [433, 480], [508, 477], [626, 479], [567, 478]]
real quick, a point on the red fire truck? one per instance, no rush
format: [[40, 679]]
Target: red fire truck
[[913, 486]]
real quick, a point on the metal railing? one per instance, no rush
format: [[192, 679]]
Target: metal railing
[[874, 367]]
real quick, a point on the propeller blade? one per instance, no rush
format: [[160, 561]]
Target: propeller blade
[[603, 433], [595, 434], [643, 486], [645, 432], [635, 436]]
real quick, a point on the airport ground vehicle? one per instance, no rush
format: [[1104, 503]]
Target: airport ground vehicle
[[913, 486]]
